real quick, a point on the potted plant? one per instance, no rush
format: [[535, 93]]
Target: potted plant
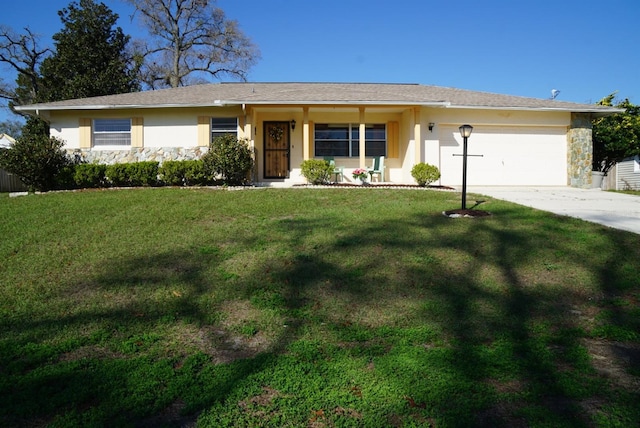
[[360, 174]]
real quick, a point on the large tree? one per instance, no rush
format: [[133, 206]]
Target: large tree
[[189, 41], [22, 53], [616, 137], [91, 56], [90, 59]]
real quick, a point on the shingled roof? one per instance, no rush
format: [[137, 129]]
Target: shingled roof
[[219, 94]]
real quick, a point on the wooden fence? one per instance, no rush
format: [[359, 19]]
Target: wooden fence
[[10, 183]]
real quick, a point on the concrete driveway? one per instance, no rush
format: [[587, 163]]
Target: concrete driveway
[[611, 209]]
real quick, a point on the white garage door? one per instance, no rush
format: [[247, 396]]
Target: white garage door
[[511, 156]]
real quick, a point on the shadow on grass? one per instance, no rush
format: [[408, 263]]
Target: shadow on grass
[[472, 323]]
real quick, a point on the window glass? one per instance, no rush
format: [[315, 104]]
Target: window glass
[[355, 140], [376, 140], [223, 125], [344, 140], [331, 140], [112, 132]]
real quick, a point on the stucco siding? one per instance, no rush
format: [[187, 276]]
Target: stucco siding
[[171, 130], [66, 128], [494, 117], [161, 127]]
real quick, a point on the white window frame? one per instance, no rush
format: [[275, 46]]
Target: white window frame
[[636, 163], [126, 134]]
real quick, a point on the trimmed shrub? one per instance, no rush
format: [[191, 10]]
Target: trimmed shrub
[[184, 173], [133, 174], [316, 171], [230, 159], [144, 173], [425, 173], [195, 174], [65, 178], [171, 173], [89, 175], [116, 174]]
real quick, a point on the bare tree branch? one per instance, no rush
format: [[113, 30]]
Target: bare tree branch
[[191, 39], [22, 53]]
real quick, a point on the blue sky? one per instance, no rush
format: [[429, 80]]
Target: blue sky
[[584, 48]]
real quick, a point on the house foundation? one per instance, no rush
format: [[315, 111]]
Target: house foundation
[[141, 154]]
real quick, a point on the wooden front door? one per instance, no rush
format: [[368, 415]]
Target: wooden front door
[[276, 149]]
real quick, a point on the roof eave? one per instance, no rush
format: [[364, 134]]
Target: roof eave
[[230, 103], [224, 103], [115, 106], [597, 111], [354, 103]]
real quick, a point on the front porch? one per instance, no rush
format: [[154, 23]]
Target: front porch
[[284, 137]]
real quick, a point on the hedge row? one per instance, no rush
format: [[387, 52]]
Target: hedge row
[[147, 173]]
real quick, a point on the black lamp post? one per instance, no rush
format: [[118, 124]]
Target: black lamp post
[[465, 131]]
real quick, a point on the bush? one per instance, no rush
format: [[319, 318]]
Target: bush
[[89, 175], [230, 159], [65, 177], [133, 174], [37, 159], [425, 174], [171, 173], [316, 171], [116, 174], [184, 173]]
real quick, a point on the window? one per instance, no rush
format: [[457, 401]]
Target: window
[[112, 132], [636, 164], [344, 140], [221, 126], [332, 140]]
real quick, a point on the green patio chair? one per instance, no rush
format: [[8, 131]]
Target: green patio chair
[[377, 168], [338, 171]]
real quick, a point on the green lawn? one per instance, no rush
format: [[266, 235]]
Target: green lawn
[[312, 308], [630, 192]]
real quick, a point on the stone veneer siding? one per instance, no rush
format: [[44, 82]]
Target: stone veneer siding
[[580, 150], [158, 154]]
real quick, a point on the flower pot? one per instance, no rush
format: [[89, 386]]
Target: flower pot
[[360, 174]]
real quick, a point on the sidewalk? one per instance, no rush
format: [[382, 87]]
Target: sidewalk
[[611, 209]]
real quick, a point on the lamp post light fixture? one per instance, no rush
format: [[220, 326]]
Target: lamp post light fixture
[[465, 132]]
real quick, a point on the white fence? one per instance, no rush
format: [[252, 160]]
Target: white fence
[[624, 175]]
